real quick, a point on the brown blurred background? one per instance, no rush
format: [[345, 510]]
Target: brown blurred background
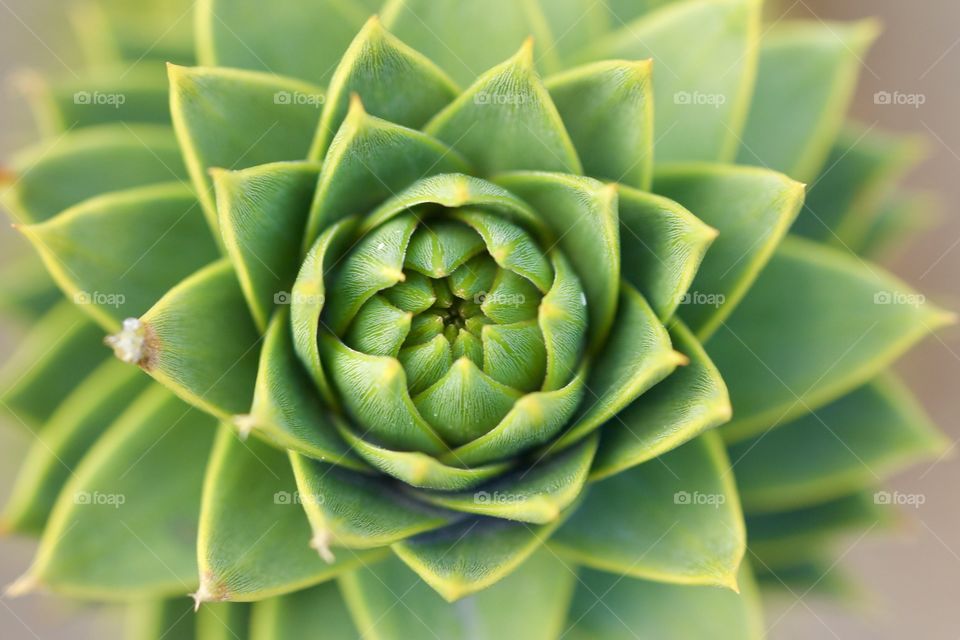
[[910, 581]]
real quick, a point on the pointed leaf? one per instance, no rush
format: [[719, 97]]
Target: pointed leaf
[[370, 160], [254, 536], [615, 608], [89, 162], [781, 361], [662, 245], [562, 316], [846, 446], [348, 509], [116, 533], [263, 213], [608, 109], [637, 356], [692, 400], [705, 53], [159, 238], [793, 120], [752, 209], [472, 555], [676, 519], [233, 33], [61, 349], [72, 429], [506, 121], [543, 583], [286, 617], [199, 340], [395, 83], [234, 119]]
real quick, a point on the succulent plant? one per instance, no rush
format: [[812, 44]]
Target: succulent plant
[[481, 366]]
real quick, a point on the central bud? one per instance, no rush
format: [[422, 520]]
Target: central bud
[[453, 302]]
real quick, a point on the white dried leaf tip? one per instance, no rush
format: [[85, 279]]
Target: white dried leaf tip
[[129, 345]]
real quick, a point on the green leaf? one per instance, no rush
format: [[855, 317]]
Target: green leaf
[[507, 121], [861, 171], [27, 291], [573, 25], [615, 608], [395, 83], [223, 621], [287, 617], [254, 536], [705, 54], [608, 109], [903, 216], [161, 620], [113, 31], [263, 213], [543, 584], [233, 33], [781, 360], [806, 80], [159, 238], [846, 446], [514, 354], [72, 429], [105, 96], [81, 164], [662, 247], [814, 576], [347, 509], [370, 160], [752, 209], [562, 316], [537, 494], [234, 119], [470, 556], [60, 350], [421, 470], [200, 341], [287, 410], [637, 356], [692, 400], [468, 37], [582, 213], [676, 519], [116, 533]]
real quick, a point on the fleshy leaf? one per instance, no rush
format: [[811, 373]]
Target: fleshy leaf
[[637, 356], [161, 620], [58, 352], [370, 160], [705, 53], [544, 585], [805, 82], [615, 608], [507, 121], [72, 429], [26, 292], [675, 519], [254, 536], [608, 109], [116, 533], [537, 494], [903, 216], [235, 119], [470, 556], [582, 213], [347, 509], [692, 400], [233, 33], [89, 162], [846, 446], [286, 617], [158, 238], [394, 82], [662, 246], [263, 213], [287, 410], [562, 316], [200, 341], [865, 319], [222, 621], [752, 209]]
